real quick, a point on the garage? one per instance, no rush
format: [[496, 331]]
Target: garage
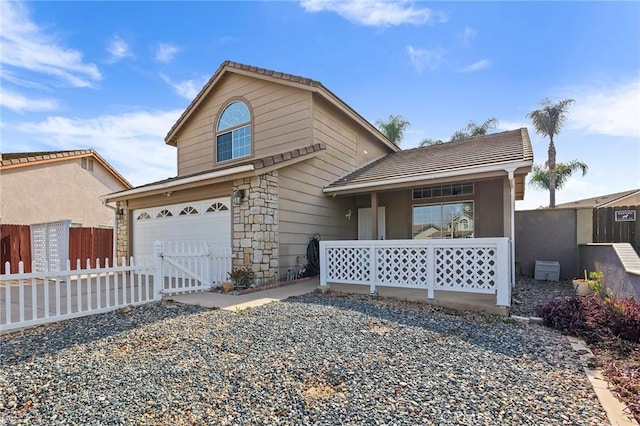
[[196, 222]]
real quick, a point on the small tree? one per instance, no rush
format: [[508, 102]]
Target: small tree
[[393, 128], [540, 174], [474, 129], [548, 121]]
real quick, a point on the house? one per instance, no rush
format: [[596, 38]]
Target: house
[[38, 187], [266, 160]]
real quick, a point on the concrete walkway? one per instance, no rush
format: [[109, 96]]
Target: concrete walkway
[[230, 302]]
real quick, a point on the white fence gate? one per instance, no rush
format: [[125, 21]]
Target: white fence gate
[[473, 265], [50, 245], [190, 267]]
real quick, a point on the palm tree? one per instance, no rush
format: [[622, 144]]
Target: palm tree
[[548, 121], [540, 174], [474, 129], [393, 128]]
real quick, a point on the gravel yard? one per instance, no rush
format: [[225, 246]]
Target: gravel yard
[[316, 359]]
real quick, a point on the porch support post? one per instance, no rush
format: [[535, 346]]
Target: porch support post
[[374, 215]]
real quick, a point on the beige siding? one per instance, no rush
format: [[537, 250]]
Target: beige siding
[[281, 117], [304, 209], [195, 194], [57, 191]]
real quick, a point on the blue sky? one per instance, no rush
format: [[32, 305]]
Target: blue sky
[[114, 76]]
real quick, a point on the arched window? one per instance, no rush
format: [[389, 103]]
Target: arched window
[[144, 216], [463, 224], [233, 132], [164, 213]]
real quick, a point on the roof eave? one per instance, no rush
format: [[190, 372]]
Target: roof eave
[[143, 191], [521, 167]]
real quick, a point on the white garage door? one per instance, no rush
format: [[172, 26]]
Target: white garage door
[[195, 222]]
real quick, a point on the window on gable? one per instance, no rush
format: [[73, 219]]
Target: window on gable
[[86, 164], [233, 132]]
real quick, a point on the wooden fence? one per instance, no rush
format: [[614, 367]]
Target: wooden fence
[[606, 229], [84, 243]]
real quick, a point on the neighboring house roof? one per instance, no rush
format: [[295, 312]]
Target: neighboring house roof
[[496, 151], [251, 167], [13, 160], [599, 201], [279, 77]]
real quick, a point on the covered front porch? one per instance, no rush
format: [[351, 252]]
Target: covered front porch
[[437, 218]]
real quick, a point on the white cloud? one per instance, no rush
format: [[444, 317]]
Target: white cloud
[[611, 109], [132, 142], [504, 125], [118, 49], [188, 89], [423, 58], [376, 12], [467, 36], [26, 46], [19, 103], [476, 66], [165, 52]]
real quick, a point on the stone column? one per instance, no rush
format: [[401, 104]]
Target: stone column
[[255, 227]]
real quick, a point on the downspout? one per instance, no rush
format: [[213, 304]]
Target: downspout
[[512, 186]]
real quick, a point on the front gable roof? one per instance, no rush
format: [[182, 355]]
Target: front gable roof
[[14, 160], [499, 151], [302, 83]]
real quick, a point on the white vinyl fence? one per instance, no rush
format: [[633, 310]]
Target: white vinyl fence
[[472, 265], [41, 297]]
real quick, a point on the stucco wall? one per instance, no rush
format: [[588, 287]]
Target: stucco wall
[[549, 235], [603, 258], [57, 191], [487, 201], [584, 226]]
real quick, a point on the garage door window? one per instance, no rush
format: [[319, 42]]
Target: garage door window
[[233, 133], [164, 213], [216, 207], [188, 210]]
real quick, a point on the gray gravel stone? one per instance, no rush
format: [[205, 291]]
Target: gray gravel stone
[[529, 294], [317, 359]]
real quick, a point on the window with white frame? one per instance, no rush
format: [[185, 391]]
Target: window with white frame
[[233, 132], [444, 220]]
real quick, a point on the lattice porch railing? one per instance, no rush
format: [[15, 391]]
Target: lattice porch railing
[[474, 265]]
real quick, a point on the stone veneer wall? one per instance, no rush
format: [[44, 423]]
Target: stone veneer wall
[[255, 227], [122, 234]]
